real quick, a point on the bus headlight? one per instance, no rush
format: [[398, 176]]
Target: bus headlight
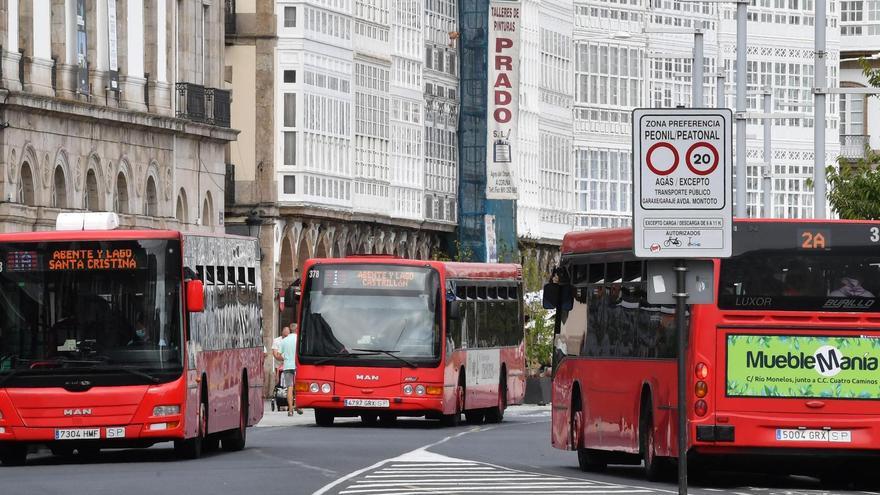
[[420, 390], [314, 388], [325, 388], [408, 389], [166, 410]]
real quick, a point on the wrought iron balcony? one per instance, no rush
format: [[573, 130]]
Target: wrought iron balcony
[[191, 101], [217, 107], [852, 146]]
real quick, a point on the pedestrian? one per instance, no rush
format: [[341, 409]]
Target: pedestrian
[[288, 375], [276, 347]]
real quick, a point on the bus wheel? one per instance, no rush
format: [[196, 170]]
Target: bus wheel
[[588, 460], [656, 467], [496, 414], [14, 454], [235, 440], [369, 419], [474, 417], [324, 417], [191, 448], [454, 419]]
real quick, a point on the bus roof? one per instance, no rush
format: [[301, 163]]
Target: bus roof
[[89, 235], [592, 241], [453, 269]]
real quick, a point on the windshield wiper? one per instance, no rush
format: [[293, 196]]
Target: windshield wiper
[[389, 353], [126, 369], [324, 359]]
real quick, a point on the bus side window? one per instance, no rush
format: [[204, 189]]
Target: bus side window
[[656, 328], [230, 275], [241, 278], [209, 275], [200, 272], [473, 310], [252, 276], [571, 336], [221, 275], [596, 333]]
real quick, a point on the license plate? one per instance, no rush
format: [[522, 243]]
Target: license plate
[[795, 435], [78, 434], [367, 403]]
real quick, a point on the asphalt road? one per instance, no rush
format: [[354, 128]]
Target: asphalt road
[[291, 456]]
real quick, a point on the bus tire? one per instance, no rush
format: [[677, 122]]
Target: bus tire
[[324, 417], [13, 454], [236, 439], [496, 414], [474, 417], [657, 468], [454, 419], [191, 448], [588, 460]]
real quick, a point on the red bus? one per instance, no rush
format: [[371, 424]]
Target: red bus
[[783, 364], [382, 337], [124, 338]]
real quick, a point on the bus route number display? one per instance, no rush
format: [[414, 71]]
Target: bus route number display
[[682, 171], [92, 259]]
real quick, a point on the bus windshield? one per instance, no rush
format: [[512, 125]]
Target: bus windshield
[[845, 279], [109, 310], [357, 313]]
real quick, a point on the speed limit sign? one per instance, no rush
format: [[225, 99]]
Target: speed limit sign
[[682, 181]]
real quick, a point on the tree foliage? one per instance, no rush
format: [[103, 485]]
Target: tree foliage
[[854, 188]]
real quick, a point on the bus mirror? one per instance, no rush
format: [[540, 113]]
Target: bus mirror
[[195, 296], [551, 295], [566, 298], [454, 310]]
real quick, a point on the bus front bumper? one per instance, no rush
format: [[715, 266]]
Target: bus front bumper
[[154, 431], [351, 405]]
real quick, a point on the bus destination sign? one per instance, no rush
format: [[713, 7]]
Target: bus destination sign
[[341, 278], [682, 171], [92, 259]]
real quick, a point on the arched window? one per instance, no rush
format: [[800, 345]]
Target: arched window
[[91, 202], [151, 199], [59, 189], [207, 210], [181, 213], [120, 199], [26, 185]]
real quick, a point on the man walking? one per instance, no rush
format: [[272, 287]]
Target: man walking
[[288, 375]]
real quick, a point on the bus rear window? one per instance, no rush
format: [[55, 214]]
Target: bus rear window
[[841, 280]]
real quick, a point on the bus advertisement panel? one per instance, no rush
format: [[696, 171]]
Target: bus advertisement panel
[[783, 363], [382, 337], [99, 344]]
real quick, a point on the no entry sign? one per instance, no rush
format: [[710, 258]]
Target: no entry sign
[[682, 182]]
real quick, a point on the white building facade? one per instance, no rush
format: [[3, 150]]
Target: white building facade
[[623, 60]]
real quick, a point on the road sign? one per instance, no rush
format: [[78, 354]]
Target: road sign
[[682, 182]]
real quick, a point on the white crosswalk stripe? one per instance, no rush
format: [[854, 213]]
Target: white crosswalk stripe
[[399, 477]]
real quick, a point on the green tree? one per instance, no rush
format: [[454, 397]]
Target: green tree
[[854, 187]]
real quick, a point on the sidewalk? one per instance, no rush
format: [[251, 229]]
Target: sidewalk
[[280, 418]]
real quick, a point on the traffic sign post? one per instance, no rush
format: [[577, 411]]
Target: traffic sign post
[[682, 208]]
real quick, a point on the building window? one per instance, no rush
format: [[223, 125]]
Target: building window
[[289, 148], [26, 185], [289, 17], [181, 213], [121, 198], [92, 202], [59, 189], [151, 201], [290, 76], [289, 109], [289, 184]]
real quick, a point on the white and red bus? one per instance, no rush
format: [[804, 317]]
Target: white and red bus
[[126, 338], [382, 337], [783, 365]]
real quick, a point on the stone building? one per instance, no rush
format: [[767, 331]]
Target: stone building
[[113, 106]]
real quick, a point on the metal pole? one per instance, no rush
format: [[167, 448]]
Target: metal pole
[[741, 49], [768, 171], [697, 78], [819, 123], [681, 327], [719, 90]]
